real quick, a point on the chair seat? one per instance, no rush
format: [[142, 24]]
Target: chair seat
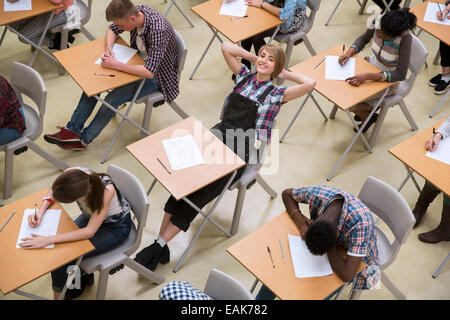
[[84, 16], [111, 258], [152, 97], [287, 37], [385, 251]]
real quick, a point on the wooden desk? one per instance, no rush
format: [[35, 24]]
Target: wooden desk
[[251, 252], [438, 31], [38, 7], [342, 94], [258, 20], [79, 61], [219, 162], [20, 266], [412, 153]]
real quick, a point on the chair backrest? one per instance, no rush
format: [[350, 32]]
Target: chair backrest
[[390, 206], [416, 63], [85, 10], [181, 52], [131, 188], [222, 286], [313, 5]]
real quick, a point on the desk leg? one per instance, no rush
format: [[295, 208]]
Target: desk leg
[[125, 117], [42, 37], [215, 34], [440, 103], [151, 187], [435, 274], [207, 218], [3, 35], [295, 116], [409, 175], [173, 3], [334, 11], [274, 34]]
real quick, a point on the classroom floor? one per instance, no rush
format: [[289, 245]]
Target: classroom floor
[[307, 156]]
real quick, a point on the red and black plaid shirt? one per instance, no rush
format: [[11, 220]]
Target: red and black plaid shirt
[[159, 40], [10, 116]]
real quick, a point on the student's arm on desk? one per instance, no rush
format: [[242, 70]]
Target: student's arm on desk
[[304, 85], [345, 268], [87, 232], [294, 212]]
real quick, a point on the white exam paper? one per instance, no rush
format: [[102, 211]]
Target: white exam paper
[[334, 71], [430, 14], [442, 153], [21, 5], [48, 227], [306, 264], [182, 152], [236, 8], [121, 53]]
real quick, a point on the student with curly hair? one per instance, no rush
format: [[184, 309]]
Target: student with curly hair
[[391, 48], [336, 217]]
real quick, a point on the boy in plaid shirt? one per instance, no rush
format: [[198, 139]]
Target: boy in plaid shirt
[[336, 216]]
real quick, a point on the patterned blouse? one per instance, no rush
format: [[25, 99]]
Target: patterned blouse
[[355, 226], [291, 11], [159, 39], [267, 111], [10, 116]]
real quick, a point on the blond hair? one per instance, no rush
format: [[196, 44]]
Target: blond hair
[[120, 9], [279, 56]]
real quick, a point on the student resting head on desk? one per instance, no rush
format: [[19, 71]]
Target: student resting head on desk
[[291, 11], [251, 106], [33, 27], [391, 48], [336, 216], [441, 81], [105, 219], [154, 37], [430, 192]]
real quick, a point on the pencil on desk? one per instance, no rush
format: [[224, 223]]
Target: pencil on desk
[[7, 220], [270, 255], [163, 165], [282, 252], [104, 74], [239, 17], [320, 62]]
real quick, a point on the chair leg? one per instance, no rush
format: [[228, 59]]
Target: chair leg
[[391, 287], [309, 46], [273, 194], [146, 273], [7, 184], [407, 115], [376, 130], [87, 33], [147, 116], [178, 110], [61, 165], [288, 53], [102, 284], [238, 209]]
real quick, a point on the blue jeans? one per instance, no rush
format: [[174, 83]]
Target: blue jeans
[[107, 237], [115, 98], [265, 294], [7, 135]]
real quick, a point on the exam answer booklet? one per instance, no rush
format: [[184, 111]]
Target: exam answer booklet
[[48, 226]]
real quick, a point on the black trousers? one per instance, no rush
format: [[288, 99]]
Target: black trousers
[[444, 51]]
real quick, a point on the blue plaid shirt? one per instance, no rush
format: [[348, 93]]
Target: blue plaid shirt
[[355, 226]]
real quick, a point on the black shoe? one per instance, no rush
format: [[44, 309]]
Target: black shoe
[[87, 280], [372, 120], [441, 87], [162, 257], [435, 80], [357, 118], [145, 255], [118, 268]]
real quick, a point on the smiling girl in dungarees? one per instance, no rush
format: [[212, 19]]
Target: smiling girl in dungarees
[[252, 105]]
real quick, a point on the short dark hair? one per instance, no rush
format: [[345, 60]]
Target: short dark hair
[[394, 23], [321, 237]]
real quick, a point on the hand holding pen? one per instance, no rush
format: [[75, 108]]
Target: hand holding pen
[[35, 219], [433, 143]]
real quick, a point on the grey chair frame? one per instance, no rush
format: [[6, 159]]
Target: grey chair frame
[[28, 82], [132, 189], [222, 286]]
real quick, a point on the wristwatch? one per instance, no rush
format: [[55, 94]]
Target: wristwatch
[[49, 199]]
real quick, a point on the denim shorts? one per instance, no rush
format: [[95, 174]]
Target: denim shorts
[[107, 237]]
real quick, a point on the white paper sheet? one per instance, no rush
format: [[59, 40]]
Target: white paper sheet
[[306, 264], [21, 5], [430, 14], [182, 152], [121, 53], [334, 71], [442, 153], [236, 8], [48, 227]]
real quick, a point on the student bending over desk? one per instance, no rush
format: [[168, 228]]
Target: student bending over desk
[[391, 48], [430, 192], [105, 219], [12, 121], [32, 28], [252, 105], [441, 81], [154, 37], [336, 216]]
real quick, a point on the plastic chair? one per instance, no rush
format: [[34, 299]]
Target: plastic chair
[[389, 205], [290, 39], [222, 286], [27, 81], [85, 15], [156, 98], [418, 56], [134, 192]]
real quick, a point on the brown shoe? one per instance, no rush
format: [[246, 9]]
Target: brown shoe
[[442, 232], [427, 195]]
